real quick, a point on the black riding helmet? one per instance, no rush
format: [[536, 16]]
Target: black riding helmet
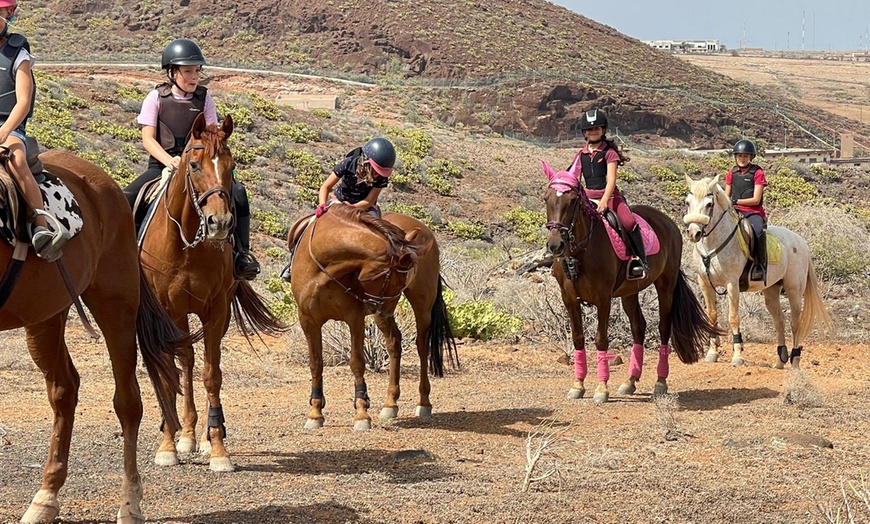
[[745, 147], [381, 155], [593, 118], [182, 52]]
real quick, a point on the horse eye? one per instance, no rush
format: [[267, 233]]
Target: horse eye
[[709, 205], [194, 165]]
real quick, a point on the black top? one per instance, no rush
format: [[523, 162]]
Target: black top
[[350, 189]]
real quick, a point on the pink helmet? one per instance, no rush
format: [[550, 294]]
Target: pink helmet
[[8, 3]]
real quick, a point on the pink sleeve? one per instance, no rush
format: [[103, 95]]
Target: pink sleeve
[[209, 110], [760, 179], [150, 107], [728, 178], [611, 156]]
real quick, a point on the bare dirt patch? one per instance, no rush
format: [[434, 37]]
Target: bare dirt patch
[[724, 450]]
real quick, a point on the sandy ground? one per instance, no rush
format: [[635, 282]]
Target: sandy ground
[[729, 447]]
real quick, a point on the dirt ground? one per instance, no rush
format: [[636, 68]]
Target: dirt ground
[[733, 444]]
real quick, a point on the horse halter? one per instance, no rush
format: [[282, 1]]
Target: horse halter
[[197, 201], [372, 302], [566, 232]]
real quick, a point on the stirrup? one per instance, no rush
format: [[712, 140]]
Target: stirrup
[[285, 273], [47, 242], [636, 269], [757, 273]]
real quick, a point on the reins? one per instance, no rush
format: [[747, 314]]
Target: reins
[[708, 258]]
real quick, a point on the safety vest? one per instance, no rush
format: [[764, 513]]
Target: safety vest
[[175, 117], [743, 184], [594, 169], [13, 46]]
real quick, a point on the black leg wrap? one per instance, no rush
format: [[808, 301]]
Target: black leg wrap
[[362, 392], [216, 420], [796, 352], [782, 352], [737, 339], [317, 393]]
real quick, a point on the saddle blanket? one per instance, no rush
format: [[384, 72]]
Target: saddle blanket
[[774, 248], [650, 239], [58, 200]]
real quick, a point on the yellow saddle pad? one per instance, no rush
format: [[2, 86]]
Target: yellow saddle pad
[[774, 248]]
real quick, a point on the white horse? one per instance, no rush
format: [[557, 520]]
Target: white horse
[[715, 228]]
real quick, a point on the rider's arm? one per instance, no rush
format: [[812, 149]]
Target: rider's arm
[[609, 187], [370, 200], [149, 140], [326, 188]]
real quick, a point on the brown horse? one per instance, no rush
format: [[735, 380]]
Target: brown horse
[[187, 258], [589, 272], [102, 263], [349, 265]]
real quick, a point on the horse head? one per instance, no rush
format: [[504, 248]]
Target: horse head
[[704, 198], [206, 170], [566, 204]]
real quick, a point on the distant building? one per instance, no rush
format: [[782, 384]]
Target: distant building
[[803, 156], [687, 46]]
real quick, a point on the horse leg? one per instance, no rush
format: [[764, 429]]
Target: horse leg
[[317, 401], [578, 338], [711, 305], [167, 453], [393, 338], [361, 420], [797, 312], [631, 306], [49, 351], [187, 437], [734, 321], [602, 394], [212, 378], [422, 305], [665, 295], [771, 301]]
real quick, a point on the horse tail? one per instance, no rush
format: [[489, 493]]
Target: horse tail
[[690, 327], [252, 315], [160, 341], [814, 308], [440, 335]]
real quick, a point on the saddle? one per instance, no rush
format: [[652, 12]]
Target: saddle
[[746, 240], [57, 199], [619, 236]]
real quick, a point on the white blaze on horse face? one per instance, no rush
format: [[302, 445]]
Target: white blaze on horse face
[[698, 201], [217, 169]]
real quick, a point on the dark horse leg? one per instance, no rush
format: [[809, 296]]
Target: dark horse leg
[[167, 455], [665, 289], [631, 306], [602, 394], [49, 351], [187, 437], [362, 420], [317, 401], [393, 338], [575, 318]]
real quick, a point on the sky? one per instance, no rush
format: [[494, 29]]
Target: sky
[[770, 24]]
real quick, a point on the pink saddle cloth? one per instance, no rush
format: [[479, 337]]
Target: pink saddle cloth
[[650, 240]]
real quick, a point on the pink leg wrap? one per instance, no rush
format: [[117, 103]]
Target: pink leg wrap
[[664, 368], [580, 370], [635, 365], [604, 366]]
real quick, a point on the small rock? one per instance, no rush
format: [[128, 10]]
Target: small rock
[[805, 440], [617, 360]]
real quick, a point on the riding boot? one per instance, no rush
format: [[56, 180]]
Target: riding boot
[[638, 267], [244, 264], [759, 268]]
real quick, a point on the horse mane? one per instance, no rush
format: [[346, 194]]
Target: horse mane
[[586, 206], [394, 235], [213, 139]]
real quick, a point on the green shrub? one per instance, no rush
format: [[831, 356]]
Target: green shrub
[[412, 210], [786, 189], [299, 133], [265, 108], [309, 173], [247, 176], [628, 176], [243, 117], [322, 113], [275, 252], [721, 162], [465, 230], [437, 183], [271, 223], [527, 224], [283, 305], [664, 174], [103, 127], [677, 189], [126, 92], [480, 319], [827, 174]]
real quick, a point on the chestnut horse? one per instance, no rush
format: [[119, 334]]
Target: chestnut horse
[[102, 263], [349, 264], [589, 272], [720, 261], [187, 258]]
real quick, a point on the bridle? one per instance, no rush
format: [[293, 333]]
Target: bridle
[[708, 258], [373, 303], [566, 232], [197, 201]]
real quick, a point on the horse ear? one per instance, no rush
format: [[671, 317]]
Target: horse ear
[[227, 126], [198, 126], [406, 261], [714, 182], [689, 183], [411, 235], [548, 170]]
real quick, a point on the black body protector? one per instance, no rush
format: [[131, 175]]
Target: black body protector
[[175, 117], [743, 184], [594, 169], [13, 46]]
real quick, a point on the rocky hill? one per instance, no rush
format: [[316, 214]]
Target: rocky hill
[[520, 66]]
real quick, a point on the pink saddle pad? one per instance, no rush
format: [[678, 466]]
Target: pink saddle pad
[[650, 240]]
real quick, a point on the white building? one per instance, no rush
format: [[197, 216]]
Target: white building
[[687, 46]]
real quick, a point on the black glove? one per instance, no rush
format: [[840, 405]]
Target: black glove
[[734, 201]]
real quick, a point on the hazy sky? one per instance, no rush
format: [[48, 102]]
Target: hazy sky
[[771, 24]]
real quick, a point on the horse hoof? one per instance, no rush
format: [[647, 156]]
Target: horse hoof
[[44, 508], [166, 458], [627, 388], [130, 518], [221, 464], [362, 425], [779, 364], [205, 448], [796, 363], [574, 393], [186, 445], [737, 362], [389, 413], [314, 423], [712, 356], [423, 411], [660, 389], [601, 398]]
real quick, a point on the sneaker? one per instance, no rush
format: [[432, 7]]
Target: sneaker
[[246, 266], [47, 243]]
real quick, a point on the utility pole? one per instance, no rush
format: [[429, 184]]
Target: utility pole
[[803, 24]]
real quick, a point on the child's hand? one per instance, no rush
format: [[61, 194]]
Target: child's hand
[[321, 209], [176, 160], [4, 136], [602, 206]]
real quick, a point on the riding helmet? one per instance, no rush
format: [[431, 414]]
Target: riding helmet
[[182, 52], [593, 118], [746, 147], [381, 155]]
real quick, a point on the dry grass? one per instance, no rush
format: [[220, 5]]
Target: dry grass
[[853, 506], [543, 443], [798, 390]]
